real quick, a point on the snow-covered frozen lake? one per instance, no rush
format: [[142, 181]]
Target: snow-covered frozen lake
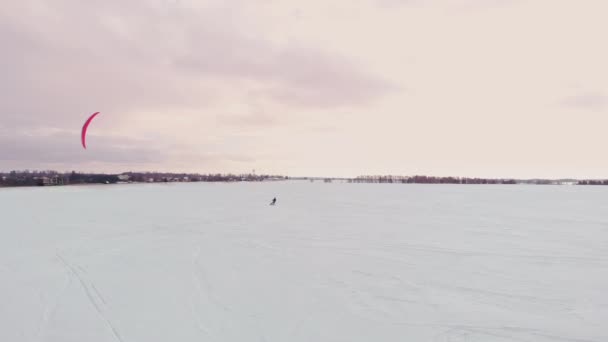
[[330, 262]]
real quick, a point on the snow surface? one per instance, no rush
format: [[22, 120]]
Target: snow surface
[[329, 262]]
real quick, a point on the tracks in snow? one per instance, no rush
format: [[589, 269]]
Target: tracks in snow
[[93, 295]]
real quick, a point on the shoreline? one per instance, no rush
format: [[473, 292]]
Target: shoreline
[[283, 180]]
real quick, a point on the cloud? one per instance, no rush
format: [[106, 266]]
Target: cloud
[[65, 59], [64, 148], [42, 148], [253, 118], [137, 55], [589, 100], [458, 4], [54, 83], [290, 74]]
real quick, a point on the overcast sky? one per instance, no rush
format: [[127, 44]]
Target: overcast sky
[[490, 88]]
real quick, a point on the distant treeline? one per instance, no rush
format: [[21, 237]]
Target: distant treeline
[[190, 177], [45, 178], [49, 177], [430, 180], [465, 180], [592, 182]]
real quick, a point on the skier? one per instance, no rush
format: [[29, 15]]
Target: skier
[[274, 200]]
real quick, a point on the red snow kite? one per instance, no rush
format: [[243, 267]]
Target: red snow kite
[[84, 129]]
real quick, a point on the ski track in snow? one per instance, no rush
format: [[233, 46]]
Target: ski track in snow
[[92, 293], [197, 295]]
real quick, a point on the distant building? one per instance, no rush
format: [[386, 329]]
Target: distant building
[[46, 181]]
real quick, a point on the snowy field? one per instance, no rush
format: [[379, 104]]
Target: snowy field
[[330, 262]]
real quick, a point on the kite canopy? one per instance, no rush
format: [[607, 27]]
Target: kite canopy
[[84, 129]]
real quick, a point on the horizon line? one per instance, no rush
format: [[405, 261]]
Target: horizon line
[[307, 177]]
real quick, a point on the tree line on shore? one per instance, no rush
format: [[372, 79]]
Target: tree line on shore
[[430, 180], [593, 182], [49, 177], [466, 180]]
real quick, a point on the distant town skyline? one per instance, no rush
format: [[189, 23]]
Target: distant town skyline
[[468, 88]]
